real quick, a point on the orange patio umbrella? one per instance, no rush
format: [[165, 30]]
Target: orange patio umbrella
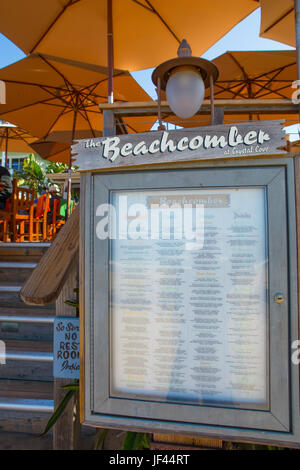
[[251, 75], [56, 147], [46, 94], [127, 34], [14, 139], [293, 146], [278, 21]]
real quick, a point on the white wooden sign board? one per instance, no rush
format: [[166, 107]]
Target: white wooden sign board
[[254, 138]]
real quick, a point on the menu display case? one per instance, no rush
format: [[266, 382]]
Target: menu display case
[[190, 300]]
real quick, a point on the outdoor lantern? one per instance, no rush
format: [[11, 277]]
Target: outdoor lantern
[[185, 91], [184, 79]]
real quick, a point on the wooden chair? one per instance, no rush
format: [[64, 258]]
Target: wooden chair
[[21, 214], [4, 225], [40, 229], [56, 222], [5, 215], [45, 228]]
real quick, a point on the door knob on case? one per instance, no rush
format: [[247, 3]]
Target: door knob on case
[[279, 298]]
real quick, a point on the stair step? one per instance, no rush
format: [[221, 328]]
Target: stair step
[[27, 404], [22, 441], [29, 346], [17, 265], [9, 288], [26, 328], [26, 389], [24, 422], [11, 273], [27, 319], [26, 379], [32, 252], [18, 426], [10, 298], [27, 360], [30, 311], [28, 356]]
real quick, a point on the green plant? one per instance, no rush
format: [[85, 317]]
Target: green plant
[[136, 441], [32, 174], [72, 389], [34, 171]]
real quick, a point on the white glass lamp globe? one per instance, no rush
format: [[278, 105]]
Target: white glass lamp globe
[[185, 92]]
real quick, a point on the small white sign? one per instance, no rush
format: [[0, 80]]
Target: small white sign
[[66, 348]]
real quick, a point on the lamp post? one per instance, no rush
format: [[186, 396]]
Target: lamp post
[[184, 79]]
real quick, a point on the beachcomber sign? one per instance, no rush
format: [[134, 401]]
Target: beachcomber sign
[[214, 142]]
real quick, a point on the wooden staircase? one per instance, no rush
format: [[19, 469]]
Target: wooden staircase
[[26, 333]]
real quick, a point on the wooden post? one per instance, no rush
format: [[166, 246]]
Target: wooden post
[[218, 116], [110, 51], [109, 123], [66, 435], [161, 127], [212, 100]]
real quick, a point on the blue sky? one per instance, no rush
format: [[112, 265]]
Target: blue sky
[[244, 36]]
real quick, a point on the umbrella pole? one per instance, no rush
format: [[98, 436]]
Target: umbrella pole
[[6, 148], [70, 164], [297, 27], [110, 51], [212, 101]]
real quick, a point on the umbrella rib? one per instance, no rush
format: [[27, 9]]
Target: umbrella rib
[[90, 90], [234, 93], [81, 99], [46, 102], [275, 70], [55, 121], [57, 152], [67, 82], [70, 3], [79, 110], [143, 5], [228, 88], [101, 81], [88, 120], [154, 11], [18, 82], [270, 81], [67, 93], [274, 91], [238, 92], [278, 20], [239, 65], [19, 135], [46, 88]]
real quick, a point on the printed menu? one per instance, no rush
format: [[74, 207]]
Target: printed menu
[[188, 282]]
